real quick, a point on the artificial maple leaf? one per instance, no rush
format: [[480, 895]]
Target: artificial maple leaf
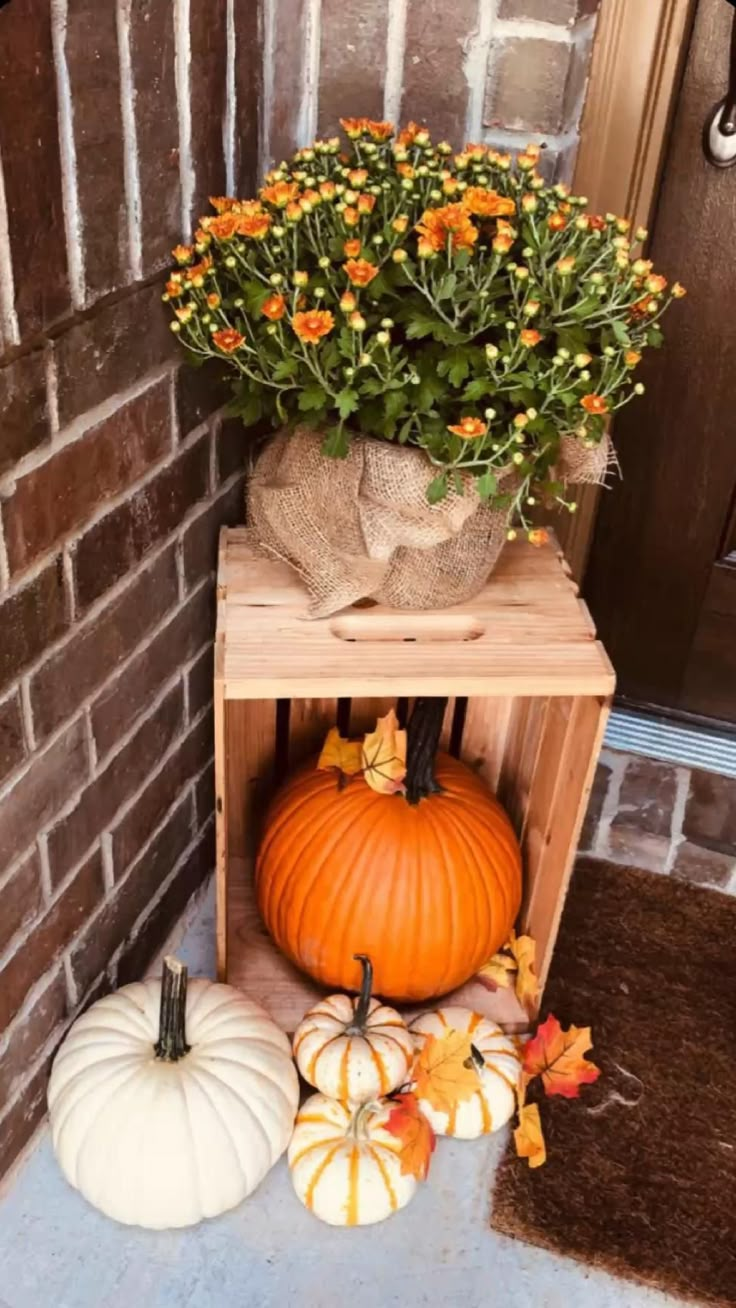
[[384, 756], [528, 1136], [337, 752], [523, 950], [407, 1122], [496, 974], [557, 1056], [446, 1072]]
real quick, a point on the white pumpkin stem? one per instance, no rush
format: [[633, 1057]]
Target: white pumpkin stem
[[357, 1026], [171, 1044], [422, 739]]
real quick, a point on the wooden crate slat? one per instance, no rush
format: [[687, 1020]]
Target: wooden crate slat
[[309, 722], [484, 737]]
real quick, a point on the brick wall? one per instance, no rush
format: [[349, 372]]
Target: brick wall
[[500, 71], [116, 470]]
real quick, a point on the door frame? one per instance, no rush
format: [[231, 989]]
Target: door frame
[[638, 57]]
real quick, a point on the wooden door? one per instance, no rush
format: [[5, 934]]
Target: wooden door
[[662, 575]]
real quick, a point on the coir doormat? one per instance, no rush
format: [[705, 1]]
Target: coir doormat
[[640, 1176]]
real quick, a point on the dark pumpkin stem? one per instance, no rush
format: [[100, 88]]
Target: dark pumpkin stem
[[423, 737], [366, 986], [171, 1044]]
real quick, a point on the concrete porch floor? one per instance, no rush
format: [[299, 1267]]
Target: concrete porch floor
[[57, 1252]]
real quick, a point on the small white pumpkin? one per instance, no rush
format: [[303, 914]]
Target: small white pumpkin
[[170, 1103], [345, 1165], [354, 1048], [494, 1103]]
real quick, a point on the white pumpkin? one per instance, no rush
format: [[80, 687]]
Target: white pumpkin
[[354, 1049], [345, 1165], [494, 1102], [170, 1103]]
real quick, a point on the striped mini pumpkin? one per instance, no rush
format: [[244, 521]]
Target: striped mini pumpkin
[[354, 1048], [494, 1102], [345, 1165]]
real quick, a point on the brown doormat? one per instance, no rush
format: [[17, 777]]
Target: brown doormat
[[641, 1171]]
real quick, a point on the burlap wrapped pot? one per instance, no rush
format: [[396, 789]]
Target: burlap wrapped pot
[[362, 526]]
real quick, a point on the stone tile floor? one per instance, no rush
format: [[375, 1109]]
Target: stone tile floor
[[57, 1252]]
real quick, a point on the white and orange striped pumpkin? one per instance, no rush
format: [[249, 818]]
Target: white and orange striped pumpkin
[[345, 1165], [354, 1048], [494, 1102]]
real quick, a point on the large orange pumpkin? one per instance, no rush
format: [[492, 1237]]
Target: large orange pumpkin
[[429, 889]]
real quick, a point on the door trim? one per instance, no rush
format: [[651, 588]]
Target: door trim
[[638, 57]]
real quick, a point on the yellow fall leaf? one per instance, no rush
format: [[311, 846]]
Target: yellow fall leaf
[[498, 970], [384, 756], [523, 950], [446, 1072], [528, 1136], [337, 752]]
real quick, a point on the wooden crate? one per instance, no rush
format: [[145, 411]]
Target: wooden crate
[[529, 690]]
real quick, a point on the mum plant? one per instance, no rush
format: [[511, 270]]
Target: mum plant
[[449, 301]]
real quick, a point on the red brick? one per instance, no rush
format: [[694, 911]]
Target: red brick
[[121, 539], [435, 85], [23, 407], [35, 799], [151, 807], [30, 620], [565, 12], [647, 797], [248, 93], [201, 537], [29, 145], [157, 127], [201, 676], [124, 906], [49, 937], [526, 84], [353, 61], [12, 743], [112, 349], [92, 60], [207, 32], [99, 803], [710, 814], [25, 1113], [20, 897], [199, 392], [139, 683], [233, 442], [704, 867], [92, 655], [151, 935], [27, 1038], [288, 72], [63, 492]]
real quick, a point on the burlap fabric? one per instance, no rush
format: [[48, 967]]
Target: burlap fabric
[[362, 526]]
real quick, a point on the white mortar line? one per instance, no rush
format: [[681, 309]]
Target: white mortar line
[[68, 570], [4, 565], [70, 194], [618, 764], [395, 52], [173, 412], [130, 141], [229, 116], [8, 316], [108, 865], [532, 29], [306, 127], [52, 392], [71, 985], [27, 711], [682, 790], [182, 70], [47, 888], [91, 743], [181, 580], [511, 139], [477, 47], [268, 44]]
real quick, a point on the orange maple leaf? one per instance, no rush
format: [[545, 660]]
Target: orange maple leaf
[[528, 1136], [558, 1057], [446, 1072], [337, 752], [407, 1122], [384, 756]]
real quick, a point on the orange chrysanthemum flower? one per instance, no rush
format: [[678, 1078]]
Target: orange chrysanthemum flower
[[400, 224], [358, 177], [378, 131], [199, 269], [469, 428], [405, 170], [451, 223], [643, 306], [280, 193], [656, 284], [354, 127], [366, 203], [557, 222], [327, 190], [566, 265], [631, 358], [224, 227], [596, 222], [293, 211], [360, 271], [228, 340], [538, 536], [347, 301], [594, 404], [409, 134], [222, 203], [350, 216], [274, 307], [449, 186], [313, 325], [487, 204], [502, 243], [213, 300], [182, 253], [174, 289], [352, 249], [530, 337], [255, 225]]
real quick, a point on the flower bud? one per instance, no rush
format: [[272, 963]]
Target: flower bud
[[582, 360], [299, 278], [364, 360], [387, 322], [275, 278], [348, 372], [609, 351], [357, 321], [382, 338], [510, 535], [585, 374], [324, 262], [175, 327], [399, 256], [490, 414], [271, 329], [491, 351], [531, 414], [517, 458], [319, 292], [563, 353], [639, 388]]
